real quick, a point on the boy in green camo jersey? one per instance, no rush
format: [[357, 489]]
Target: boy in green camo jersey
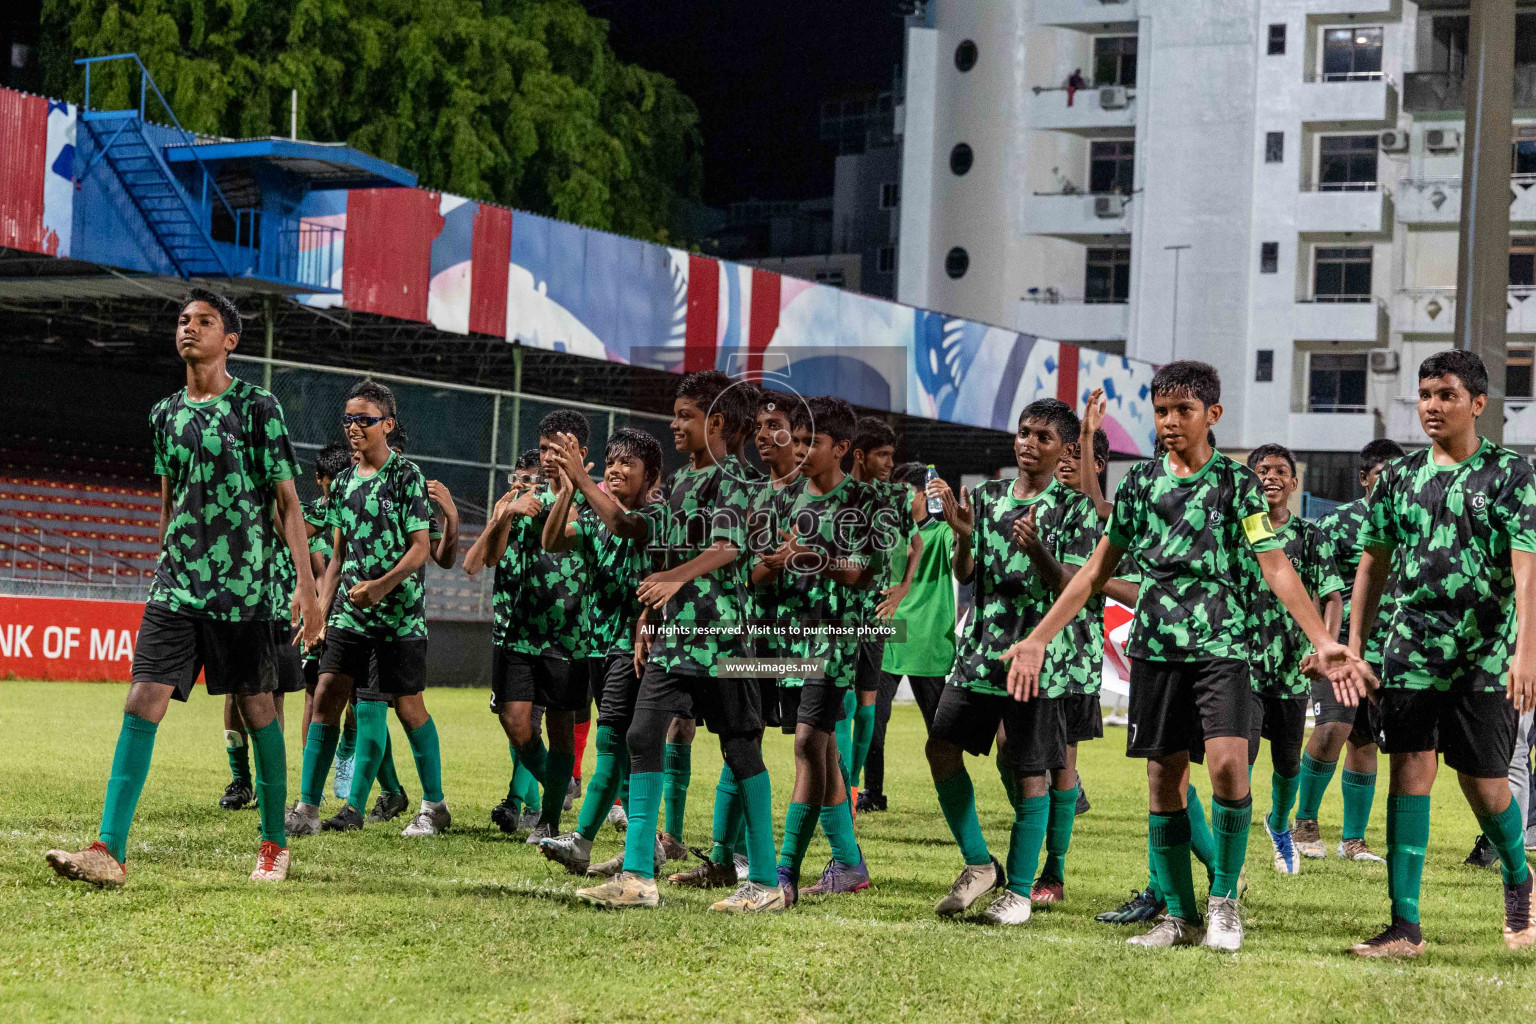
[[376, 638], [519, 810], [1280, 687], [632, 465], [223, 455], [811, 556], [724, 864], [874, 456], [1335, 724], [1020, 540], [539, 658], [1458, 662], [698, 593], [1186, 518]]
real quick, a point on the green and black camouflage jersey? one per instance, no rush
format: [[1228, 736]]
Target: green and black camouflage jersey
[[1078, 651], [1345, 529], [1279, 645], [314, 515], [893, 528], [376, 516], [1452, 529], [702, 508], [545, 615], [1187, 535], [618, 565], [837, 528], [223, 459], [762, 528], [1011, 596], [284, 577]]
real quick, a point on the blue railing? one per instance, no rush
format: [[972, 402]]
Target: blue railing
[[147, 82]]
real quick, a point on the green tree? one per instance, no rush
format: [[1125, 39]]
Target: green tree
[[521, 102]]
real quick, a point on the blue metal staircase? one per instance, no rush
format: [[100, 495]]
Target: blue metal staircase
[[178, 220]]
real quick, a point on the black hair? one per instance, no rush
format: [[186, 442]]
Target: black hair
[[1378, 453], [1271, 451], [640, 445], [739, 402], [1057, 414], [703, 388], [783, 401], [332, 459], [528, 460], [379, 394], [565, 421], [1101, 446], [398, 438], [873, 432], [1188, 377], [910, 473], [1465, 366], [228, 314], [830, 415]]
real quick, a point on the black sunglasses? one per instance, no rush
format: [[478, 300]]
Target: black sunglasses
[[349, 418]]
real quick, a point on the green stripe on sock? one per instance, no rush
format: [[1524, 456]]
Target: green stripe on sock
[[677, 761], [957, 799], [1168, 835], [1058, 833], [1201, 843], [1029, 821], [799, 826], [1315, 777], [319, 752], [640, 839], [1407, 837], [1282, 794], [603, 787], [271, 780], [757, 812], [863, 735], [1229, 823], [837, 823], [429, 760], [1359, 790], [130, 766], [372, 739], [1506, 832]]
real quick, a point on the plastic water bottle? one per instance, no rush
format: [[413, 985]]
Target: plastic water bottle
[[935, 504]]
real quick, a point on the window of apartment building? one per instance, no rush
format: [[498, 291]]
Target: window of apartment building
[[832, 276], [1111, 167], [1264, 369], [1274, 147], [1351, 53], [1522, 159], [1346, 162], [1448, 34], [1336, 383], [890, 194], [885, 260], [1522, 261], [1109, 275], [1114, 60], [1269, 257], [1517, 373], [1276, 40], [1342, 274]]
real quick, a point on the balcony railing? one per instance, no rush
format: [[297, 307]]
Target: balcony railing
[[1443, 90], [1347, 76], [1338, 298]]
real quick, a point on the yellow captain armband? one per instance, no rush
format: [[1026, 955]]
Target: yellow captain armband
[[1256, 528]]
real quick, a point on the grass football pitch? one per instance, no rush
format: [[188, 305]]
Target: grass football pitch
[[474, 926]]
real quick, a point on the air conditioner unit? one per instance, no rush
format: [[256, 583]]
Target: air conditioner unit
[[1385, 360], [1109, 207], [1393, 141], [1113, 97], [1442, 140]]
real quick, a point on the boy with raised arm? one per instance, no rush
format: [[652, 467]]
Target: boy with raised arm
[[1185, 519], [223, 456], [1458, 661]]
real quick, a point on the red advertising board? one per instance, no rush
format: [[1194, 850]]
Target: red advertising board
[[53, 638]]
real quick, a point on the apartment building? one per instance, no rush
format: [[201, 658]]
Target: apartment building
[[1271, 186]]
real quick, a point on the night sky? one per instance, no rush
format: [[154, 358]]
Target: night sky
[[758, 71]]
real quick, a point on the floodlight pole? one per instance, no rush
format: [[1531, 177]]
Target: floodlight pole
[[1482, 261], [1173, 342]]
